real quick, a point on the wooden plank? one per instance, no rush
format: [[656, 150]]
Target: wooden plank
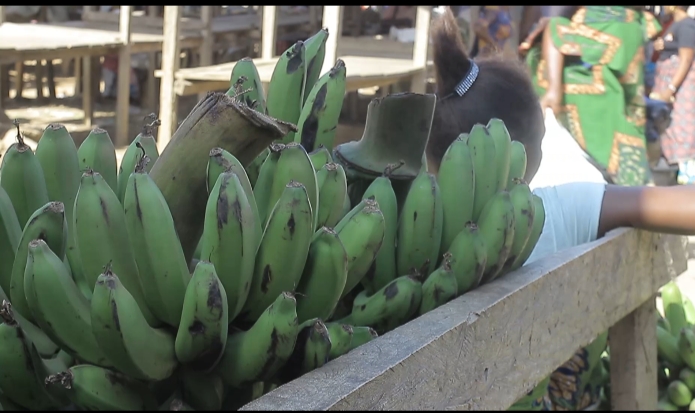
[[487, 348], [87, 91], [151, 88], [170, 64], [634, 383], [268, 32], [5, 80], [50, 79], [332, 22], [19, 79], [151, 91], [423, 17], [2, 14], [38, 78], [124, 69], [206, 47]]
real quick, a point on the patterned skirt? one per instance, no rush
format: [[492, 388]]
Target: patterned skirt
[[678, 141]]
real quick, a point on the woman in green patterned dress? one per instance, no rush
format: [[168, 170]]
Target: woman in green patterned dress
[[589, 69]]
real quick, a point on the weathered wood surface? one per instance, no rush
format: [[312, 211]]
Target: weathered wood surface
[[633, 366], [333, 21], [362, 72], [489, 347], [170, 64]]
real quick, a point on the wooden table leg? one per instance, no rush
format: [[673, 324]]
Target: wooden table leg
[[633, 360], [151, 91], [87, 92], [19, 79], [5, 80], [78, 76], [96, 78], [38, 73], [3, 117], [50, 79]]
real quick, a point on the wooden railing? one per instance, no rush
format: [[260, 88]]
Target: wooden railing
[[487, 348]]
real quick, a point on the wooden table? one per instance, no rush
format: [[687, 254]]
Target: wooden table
[[362, 72], [86, 39]]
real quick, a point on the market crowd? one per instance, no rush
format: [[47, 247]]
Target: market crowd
[[630, 102]]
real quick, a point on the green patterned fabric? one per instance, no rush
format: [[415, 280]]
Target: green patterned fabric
[[603, 85]]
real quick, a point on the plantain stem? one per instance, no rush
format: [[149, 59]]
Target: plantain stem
[[6, 313], [143, 161], [392, 167], [180, 171], [63, 378], [21, 146]]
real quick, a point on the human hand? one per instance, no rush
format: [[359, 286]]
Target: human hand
[[524, 48], [659, 44], [552, 100], [664, 96]]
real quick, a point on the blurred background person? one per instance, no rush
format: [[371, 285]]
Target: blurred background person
[[589, 70], [674, 82], [492, 29]]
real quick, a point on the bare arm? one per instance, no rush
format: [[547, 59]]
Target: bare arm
[[554, 60], [660, 209]]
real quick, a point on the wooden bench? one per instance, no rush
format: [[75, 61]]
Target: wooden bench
[[489, 347]]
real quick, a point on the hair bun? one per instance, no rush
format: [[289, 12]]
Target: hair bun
[[451, 61]]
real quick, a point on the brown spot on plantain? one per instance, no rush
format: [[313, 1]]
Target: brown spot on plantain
[[271, 352], [236, 210], [215, 300], [291, 225], [438, 292], [295, 58], [138, 210], [311, 124], [266, 278], [222, 204], [196, 328], [114, 315], [391, 290], [104, 209]]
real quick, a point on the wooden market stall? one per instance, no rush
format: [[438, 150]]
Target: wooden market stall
[[85, 41], [102, 33], [363, 71], [487, 348]]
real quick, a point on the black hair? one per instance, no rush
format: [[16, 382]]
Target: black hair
[[503, 90]]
